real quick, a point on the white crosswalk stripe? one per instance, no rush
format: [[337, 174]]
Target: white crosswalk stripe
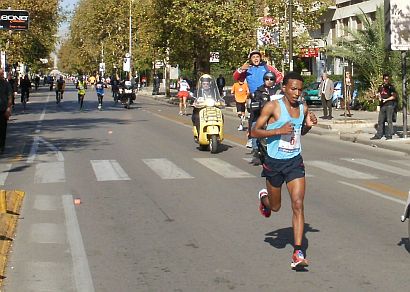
[[339, 170], [223, 168], [4, 171], [108, 170], [379, 166], [49, 172], [166, 169], [402, 162]]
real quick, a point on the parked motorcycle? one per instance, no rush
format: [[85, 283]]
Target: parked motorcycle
[[406, 214], [127, 93], [207, 116]]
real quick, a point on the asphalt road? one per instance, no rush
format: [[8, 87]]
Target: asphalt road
[[157, 214]]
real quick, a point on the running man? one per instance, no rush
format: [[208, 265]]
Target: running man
[[282, 122]]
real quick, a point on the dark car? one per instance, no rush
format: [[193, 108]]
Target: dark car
[[311, 93]]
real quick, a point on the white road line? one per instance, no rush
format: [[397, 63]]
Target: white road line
[[339, 170], [34, 148], [402, 162], [49, 172], [4, 172], [379, 166], [81, 270], [108, 170], [223, 168], [374, 193], [166, 169]]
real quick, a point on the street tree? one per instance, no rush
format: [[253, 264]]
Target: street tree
[[40, 39]]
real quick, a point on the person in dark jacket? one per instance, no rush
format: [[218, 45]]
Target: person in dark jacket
[[220, 82], [261, 96], [5, 108], [25, 87]]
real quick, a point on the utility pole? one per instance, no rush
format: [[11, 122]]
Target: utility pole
[[290, 37]]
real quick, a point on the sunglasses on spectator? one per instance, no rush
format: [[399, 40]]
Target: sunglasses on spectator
[[270, 79]]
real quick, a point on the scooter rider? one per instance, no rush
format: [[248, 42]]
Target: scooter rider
[[204, 90]]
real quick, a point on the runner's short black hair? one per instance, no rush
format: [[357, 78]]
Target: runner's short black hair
[[292, 75]]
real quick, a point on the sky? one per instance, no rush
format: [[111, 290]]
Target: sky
[[66, 4]]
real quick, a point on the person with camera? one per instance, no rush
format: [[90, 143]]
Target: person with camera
[[253, 71], [261, 96], [387, 96]]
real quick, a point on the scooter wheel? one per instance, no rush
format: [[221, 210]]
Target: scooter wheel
[[213, 144]]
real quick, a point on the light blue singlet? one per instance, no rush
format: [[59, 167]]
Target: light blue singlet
[[285, 146]]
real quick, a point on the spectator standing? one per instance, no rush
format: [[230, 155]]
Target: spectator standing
[[283, 122], [253, 70], [387, 96], [326, 89], [14, 87], [183, 94], [220, 82], [349, 86], [156, 85], [240, 90], [5, 108]]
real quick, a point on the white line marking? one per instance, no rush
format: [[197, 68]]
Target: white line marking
[[223, 168], [108, 170], [34, 149], [339, 170], [374, 193], [49, 172], [166, 169], [4, 172], [379, 166], [81, 270], [402, 162]]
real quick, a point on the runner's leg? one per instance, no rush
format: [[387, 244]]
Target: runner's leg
[[296, 190]]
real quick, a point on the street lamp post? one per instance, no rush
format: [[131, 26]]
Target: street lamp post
[[290, 37], [130, 39]]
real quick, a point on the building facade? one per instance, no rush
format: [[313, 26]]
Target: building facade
[[333, 26]]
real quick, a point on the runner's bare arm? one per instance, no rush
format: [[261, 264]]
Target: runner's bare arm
[[309, 120]]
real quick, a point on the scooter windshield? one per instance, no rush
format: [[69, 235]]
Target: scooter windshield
[[207, 93]]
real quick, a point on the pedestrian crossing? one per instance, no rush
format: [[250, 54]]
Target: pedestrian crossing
[[166, 169]]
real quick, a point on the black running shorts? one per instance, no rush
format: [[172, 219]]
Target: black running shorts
[[277, 171]]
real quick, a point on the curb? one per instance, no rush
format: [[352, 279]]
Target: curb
[[10, 202]]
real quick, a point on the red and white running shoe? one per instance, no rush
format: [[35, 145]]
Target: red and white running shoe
[[262, 209], [298, 260]]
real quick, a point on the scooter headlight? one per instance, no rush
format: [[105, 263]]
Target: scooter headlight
[[210, 102]]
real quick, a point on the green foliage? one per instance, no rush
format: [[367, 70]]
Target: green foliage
[[39, 40]]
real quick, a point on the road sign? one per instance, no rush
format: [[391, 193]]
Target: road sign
[[397, 25], [214, 57], [14, 19]]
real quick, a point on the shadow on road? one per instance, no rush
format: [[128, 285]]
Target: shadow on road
[[284, 236]]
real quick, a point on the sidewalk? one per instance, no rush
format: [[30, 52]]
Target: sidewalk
[[358, 128]]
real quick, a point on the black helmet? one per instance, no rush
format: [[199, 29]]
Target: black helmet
[[269, 74]]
